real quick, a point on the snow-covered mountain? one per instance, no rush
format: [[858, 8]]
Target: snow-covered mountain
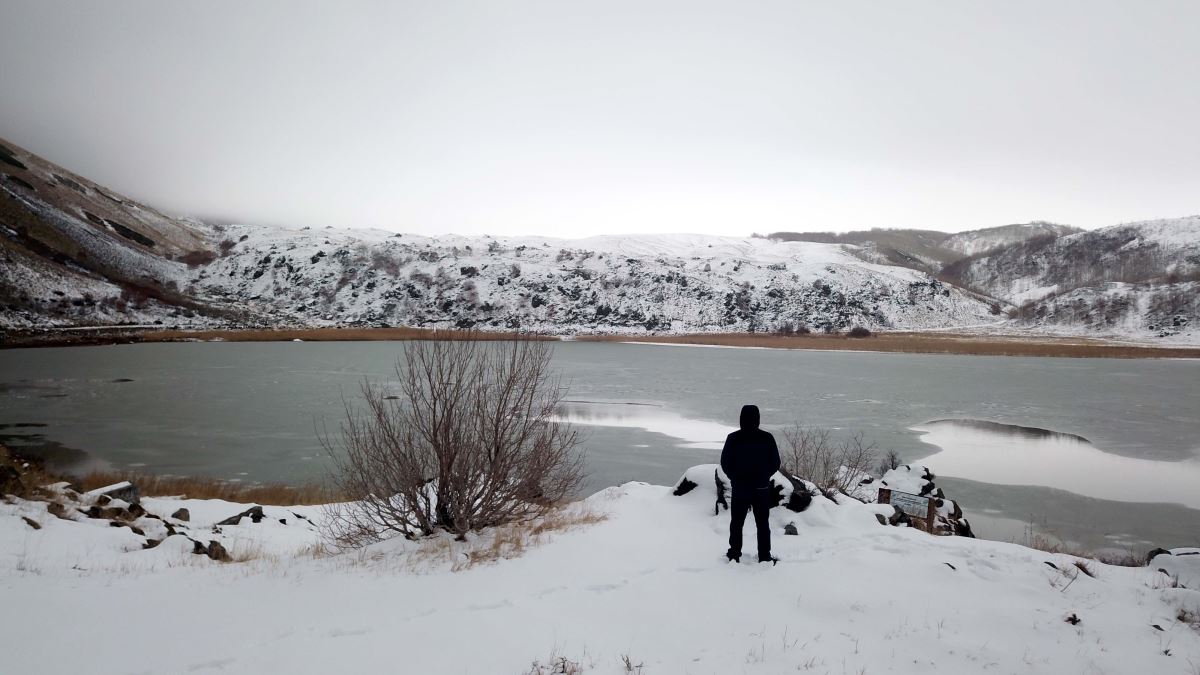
[[75, 253]]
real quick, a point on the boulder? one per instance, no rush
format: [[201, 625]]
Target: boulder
[[10, 481], [254, 513], [790, 528], [217, 552], [182, 514], [124, 491], [58, 510]]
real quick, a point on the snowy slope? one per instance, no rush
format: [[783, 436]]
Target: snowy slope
[[649, 583], [974, 242], [1136, 279], [637, 283]]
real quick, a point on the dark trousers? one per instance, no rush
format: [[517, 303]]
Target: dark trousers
[[744, 500]]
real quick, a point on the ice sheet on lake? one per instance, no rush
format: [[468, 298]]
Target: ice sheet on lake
[[700, 434], [1011, 455]]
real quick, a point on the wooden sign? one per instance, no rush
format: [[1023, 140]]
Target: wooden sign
[[922, 510]]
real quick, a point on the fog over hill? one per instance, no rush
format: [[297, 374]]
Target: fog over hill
[[75, 253]]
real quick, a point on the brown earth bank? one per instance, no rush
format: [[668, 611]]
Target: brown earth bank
[[903, 342], [925, 343]]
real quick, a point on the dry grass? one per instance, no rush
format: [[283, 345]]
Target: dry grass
[[1050, 545], [211, 488], [921, 343], [506, 541]]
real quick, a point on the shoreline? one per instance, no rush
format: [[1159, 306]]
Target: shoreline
[[885, 342]]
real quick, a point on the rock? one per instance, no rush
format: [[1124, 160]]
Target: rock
[[182, 514], [790, 528], [10, 481], [198, 548], [882, 521], [135, 510], [151, 543], [799, 500], [721, 490], [685, 486], [124, 490], [254, 513], [1154, 552], [58, 510], [217, 552], [31, 522]]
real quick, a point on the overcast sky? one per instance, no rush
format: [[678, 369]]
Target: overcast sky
[[574, 118]]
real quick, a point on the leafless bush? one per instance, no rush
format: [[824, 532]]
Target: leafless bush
[[891, 460], [470, 441], [832, 465]]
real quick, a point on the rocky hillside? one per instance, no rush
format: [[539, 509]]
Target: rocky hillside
[[927, 250], [677, 283], [75, 253], [1136, 278]]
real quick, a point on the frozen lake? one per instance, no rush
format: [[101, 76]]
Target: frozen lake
[[1102, 452]]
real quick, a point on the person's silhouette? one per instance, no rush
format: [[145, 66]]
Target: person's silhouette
[[749, 458]]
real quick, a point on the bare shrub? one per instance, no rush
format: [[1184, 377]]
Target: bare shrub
[[859, 332], [891, 460], [470, 441], [832, 465]]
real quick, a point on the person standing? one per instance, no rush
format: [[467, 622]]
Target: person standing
[[749, 458]]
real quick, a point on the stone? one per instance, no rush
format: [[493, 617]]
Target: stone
[[799, 500], [1157, 551], [31, 522], [685, 486], [217, 552], [58, 510], [721, 490], [881, 519], [10, 481], [182, 514], [254, 513], [124, 491], [790, 528]]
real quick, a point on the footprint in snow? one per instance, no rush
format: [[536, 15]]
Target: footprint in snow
[[215, 664], [604, 588], [495, 605]]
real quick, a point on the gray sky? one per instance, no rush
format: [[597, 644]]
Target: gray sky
[[581, 117]]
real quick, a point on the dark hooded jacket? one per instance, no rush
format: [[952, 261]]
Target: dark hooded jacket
[[750, 456]]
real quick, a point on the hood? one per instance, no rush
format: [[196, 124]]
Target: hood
[[749, 417]]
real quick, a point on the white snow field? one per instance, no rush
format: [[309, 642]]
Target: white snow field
[[649, 582]]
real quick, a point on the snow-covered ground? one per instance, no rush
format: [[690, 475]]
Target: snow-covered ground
[[649, 582]]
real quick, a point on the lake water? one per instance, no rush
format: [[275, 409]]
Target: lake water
[[1119, 469]]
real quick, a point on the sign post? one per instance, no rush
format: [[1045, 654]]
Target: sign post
[[922, 510]]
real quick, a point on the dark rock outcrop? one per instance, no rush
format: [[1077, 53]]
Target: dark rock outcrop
[[254, 513]]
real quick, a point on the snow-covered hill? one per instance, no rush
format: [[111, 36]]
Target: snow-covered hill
[[974, 242], [73, 253], [1136, 279], [641, 283], [646, 590]]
